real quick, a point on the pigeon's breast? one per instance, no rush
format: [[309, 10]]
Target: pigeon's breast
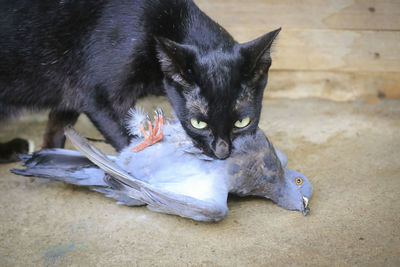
[[166, 166]]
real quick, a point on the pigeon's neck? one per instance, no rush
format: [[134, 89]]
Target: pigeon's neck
[[248, 177]]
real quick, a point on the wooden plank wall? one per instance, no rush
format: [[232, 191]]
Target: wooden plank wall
[[337, 49]]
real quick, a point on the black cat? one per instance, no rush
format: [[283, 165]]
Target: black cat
[[99, 56]]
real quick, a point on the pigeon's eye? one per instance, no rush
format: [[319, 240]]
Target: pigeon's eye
[[299, 181], [198, 124], [242, 123]]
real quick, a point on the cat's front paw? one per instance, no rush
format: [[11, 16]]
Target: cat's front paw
[[9, 151]]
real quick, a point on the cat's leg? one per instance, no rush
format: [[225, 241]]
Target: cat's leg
[[58, 120], [110, 126]]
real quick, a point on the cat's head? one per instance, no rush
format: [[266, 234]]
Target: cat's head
[[216, 94]]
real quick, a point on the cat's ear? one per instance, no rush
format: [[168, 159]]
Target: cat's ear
[[176, 60], [257, 54]]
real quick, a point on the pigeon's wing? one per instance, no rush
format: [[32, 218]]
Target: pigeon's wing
[[100, 159], [157, 199]]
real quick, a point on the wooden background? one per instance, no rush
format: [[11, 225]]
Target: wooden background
[[340, 50]]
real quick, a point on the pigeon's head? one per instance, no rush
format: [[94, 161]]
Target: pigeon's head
[[295, 193]]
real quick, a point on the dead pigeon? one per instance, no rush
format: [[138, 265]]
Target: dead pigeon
[[173, 176]]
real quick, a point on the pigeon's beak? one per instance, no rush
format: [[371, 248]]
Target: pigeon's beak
[[304, 207]]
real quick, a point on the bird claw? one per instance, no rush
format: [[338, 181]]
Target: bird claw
[[155, 133]]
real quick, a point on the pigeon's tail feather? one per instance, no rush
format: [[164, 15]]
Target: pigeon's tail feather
[[24, 157], [61, 165], [88, 177], [62, 158]]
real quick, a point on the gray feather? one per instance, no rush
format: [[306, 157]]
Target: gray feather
[[62, 165], [175, 177], [156, 198]]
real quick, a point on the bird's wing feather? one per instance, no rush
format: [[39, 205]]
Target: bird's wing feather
[[185, 206], [157, 199], [100, 159]]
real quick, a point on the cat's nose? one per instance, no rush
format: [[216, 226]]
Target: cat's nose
[[222, 149]]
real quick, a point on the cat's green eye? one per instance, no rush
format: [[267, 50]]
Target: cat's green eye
[[198, 124], [242, 123]]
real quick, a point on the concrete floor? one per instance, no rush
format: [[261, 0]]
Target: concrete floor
[[349, 151]]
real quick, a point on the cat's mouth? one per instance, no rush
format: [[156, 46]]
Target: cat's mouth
[[222, 155], [222, 149], [217, 156], [216, 149], [208, 151]]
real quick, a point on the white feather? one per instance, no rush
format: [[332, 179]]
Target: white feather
[[136, 117], [31, 146]]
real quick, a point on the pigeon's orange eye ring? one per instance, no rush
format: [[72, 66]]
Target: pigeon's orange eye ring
[[299, 181]]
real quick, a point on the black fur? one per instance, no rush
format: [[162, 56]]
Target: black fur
[[9, 151], [99, 56]]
